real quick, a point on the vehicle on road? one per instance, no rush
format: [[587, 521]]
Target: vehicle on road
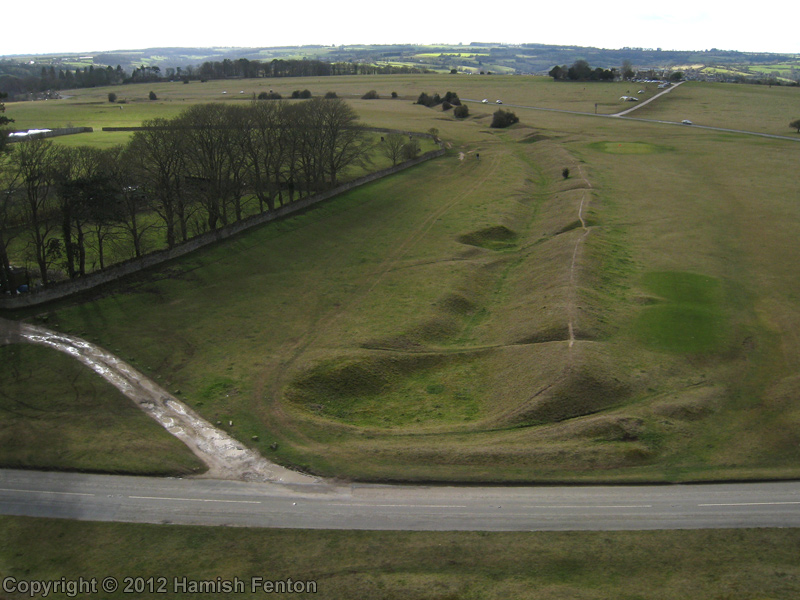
[[686, 122]]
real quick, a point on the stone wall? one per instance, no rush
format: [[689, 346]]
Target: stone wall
[[64, 289]]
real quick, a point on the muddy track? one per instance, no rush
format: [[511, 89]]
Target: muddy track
[[226, 457]]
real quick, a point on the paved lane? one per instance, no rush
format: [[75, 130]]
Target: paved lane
[[421, 508]]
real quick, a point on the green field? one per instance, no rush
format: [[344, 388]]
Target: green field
[[418, 328], [757, 108], [664, 565]]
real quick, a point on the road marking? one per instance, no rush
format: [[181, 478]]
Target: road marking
[[750, 504], [584, 506], [194, 499], [44, 492], [362, 505]]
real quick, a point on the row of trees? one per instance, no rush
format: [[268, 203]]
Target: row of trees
[[21, 78], [278, 67], [209, 166], [581, 71]]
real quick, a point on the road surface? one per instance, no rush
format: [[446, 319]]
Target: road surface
[[623, 116], [398, 507]]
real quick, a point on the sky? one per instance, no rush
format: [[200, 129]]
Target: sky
[[92, 26]]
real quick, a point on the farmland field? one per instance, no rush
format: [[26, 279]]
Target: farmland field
[[488, 319]]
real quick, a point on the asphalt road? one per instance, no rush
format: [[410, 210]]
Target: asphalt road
[[387, 507], [623, 116]]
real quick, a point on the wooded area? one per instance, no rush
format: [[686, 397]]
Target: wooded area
[[212, 165]]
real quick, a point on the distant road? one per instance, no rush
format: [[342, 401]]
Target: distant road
[[407, 507], [622, 116]]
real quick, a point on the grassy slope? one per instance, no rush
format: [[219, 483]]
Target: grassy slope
[[435, 347], [660, 565], [64, 417]]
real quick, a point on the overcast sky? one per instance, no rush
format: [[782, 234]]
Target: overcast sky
[[46, 27]]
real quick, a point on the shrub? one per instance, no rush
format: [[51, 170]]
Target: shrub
[[112, 97], [565, 173], [269, 96], [394, 94], [503, 118], [153, 96], [446, 105], [461, 112], [331, 95], [452, 98], [411, 149], [424, 100], [370, 95]]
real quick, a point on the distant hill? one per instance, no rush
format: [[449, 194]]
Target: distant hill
[[477, 57]]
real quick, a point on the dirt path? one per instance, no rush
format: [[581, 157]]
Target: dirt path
[[573, 291], [226, 457]]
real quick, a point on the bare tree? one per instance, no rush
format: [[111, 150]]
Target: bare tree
[[205, 136], [392, 147], [36, 163], [132, 197], [9, 220], [345, 141], [262, 150], [156, 158]]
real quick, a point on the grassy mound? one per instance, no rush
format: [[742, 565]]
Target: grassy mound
[[389, 391], [496, 237], [575, 394]]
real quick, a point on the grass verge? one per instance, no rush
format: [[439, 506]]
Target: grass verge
[[663, 565]]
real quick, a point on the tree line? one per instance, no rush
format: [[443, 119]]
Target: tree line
[[21, 78], [581, 71], [212, 165]]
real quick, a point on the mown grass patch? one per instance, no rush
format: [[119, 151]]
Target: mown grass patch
[[610, 147], [690, 320]]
